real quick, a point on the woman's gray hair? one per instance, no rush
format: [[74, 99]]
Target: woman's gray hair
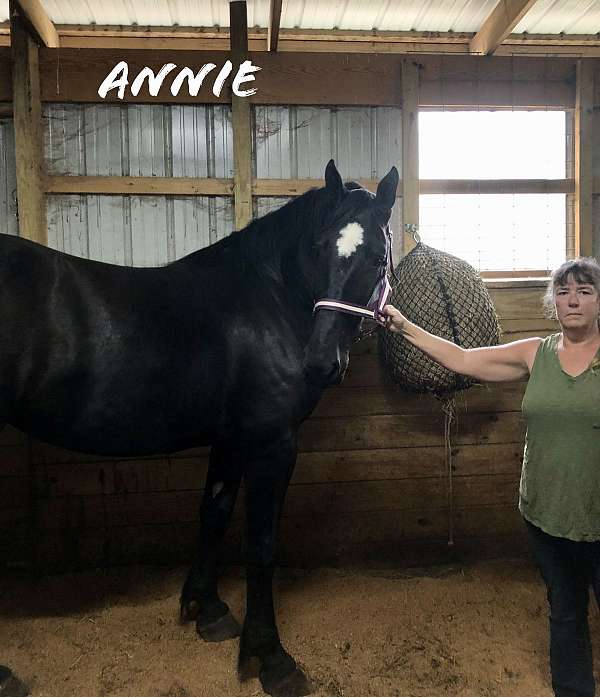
[[581, 270]]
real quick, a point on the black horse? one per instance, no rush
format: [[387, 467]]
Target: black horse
[[222, 347]]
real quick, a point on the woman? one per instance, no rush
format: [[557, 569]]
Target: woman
[[560, 481]]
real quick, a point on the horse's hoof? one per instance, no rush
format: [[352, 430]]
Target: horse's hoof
[[188, 612], [294, 684], [10, 685], [248, 668], [226, 627]]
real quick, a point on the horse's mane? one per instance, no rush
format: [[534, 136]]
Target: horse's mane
[[262, 244]]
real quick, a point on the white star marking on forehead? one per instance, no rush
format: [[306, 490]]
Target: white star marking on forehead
[[351, 237]]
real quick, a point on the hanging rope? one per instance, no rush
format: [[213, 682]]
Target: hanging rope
[[449, 411]]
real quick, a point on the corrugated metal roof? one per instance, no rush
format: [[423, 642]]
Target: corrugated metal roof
[[545, 17]]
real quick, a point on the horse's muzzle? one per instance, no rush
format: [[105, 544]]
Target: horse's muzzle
[[323, 376]]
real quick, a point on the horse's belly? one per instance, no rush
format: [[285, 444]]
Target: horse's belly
[[119, 428]]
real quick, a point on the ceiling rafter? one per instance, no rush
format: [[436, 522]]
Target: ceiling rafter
[[500, 22], [35, 14], [274, 25]]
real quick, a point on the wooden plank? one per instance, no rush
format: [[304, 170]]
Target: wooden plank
[[584, 183], [399, 430], [497, 186], [498, 25], [375, 399], [176, 186], [300, 79], [34, 12], [241, 120], [407, 463], [297, 187], [284, 78], [518, 303], [189, 186], [28, 135], [410, 154], [497, 93], [310, 500], [121, 476], [211, 38], [274, 24], [188, 474]]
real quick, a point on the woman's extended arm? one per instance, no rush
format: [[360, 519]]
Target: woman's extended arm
[[507, 362]]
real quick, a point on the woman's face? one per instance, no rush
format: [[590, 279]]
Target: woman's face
[[577, 304]]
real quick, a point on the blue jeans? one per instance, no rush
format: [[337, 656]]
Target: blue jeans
[[568, 569]]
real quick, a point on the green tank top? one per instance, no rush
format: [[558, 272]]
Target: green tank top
[[560, 479]]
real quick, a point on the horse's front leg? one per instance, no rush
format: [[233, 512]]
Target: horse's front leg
[[266, 479], [200, 599]]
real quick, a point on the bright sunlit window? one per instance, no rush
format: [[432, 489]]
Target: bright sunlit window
[[501, 232]]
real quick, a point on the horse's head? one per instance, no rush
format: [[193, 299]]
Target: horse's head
[[349, 257]]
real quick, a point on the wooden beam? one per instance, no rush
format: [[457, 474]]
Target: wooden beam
[[27, 108], [497, 186], [36, 15], [502, 20], [189, 186], [241, 120], [410, 153], [170, 186], [312, 40], [584, 181], [274, 24]]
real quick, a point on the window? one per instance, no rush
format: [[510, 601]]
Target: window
[[494, 188]]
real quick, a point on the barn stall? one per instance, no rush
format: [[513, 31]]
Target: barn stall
[[146, 179]]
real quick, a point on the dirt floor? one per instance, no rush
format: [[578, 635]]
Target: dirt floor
[[475, 632]]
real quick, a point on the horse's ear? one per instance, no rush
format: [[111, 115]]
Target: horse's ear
[[386, 189], [333, 181]]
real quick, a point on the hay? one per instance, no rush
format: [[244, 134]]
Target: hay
[[445, 296]]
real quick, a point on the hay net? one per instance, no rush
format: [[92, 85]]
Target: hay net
[[445, 296]]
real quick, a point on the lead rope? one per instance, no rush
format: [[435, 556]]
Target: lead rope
[[449, 409]]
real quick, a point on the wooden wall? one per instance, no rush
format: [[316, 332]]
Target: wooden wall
[[370, 486]]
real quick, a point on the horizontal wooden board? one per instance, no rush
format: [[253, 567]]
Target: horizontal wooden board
[[293, 78], [174, 186], [297, 79], [319, 501], [386, 398], [374, 432], [376, 539], [181, 474], [518, 303]]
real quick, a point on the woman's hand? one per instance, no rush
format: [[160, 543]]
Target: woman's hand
[[394, 320]]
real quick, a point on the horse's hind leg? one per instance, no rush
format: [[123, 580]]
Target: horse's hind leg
[[200, 598]]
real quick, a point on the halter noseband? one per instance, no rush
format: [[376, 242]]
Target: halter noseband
[[373, 310]]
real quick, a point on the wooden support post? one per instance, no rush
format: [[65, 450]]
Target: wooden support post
[[241, 120], [410, 150], [27, 110], [584, 181]]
